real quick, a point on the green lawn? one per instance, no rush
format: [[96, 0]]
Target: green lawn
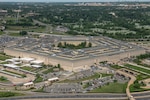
[[137, 68], [104, 75], [27, 68], [142, 76], [9, 94], [29, 28], [133, 89], [86, 85], [22, 75], [111, 88], [48, 71], [15, 34], [38, 79], [4, 57], [116, 67], [3, 79], [4, 63], [136, 87], [1, 33]]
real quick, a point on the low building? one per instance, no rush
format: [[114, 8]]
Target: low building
[[53, 79], [28, 85], [2, 28], [26, 60], [36, 66], [10, 66], [37, 62]]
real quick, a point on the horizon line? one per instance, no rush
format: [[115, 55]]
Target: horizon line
[[68, 1]]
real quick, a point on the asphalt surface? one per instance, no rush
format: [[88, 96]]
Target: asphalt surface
[[141, 94], [144, 98], [73, 96], [80, 96]]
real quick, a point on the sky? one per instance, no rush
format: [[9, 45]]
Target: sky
[[67, 0]]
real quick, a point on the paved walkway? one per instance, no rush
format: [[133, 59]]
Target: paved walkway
[[133, 78]]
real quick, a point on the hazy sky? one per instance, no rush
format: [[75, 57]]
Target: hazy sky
[[66, 0]]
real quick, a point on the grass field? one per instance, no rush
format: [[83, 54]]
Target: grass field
[[138, 68], [116, 66], [14, 34], [9, 94], [1, 33], [48, 71], [26, 68], [3, 57], [38, 79], [3, 79], [29, 28], [22, 75], [111, 88], [133, 89], [142, 76]]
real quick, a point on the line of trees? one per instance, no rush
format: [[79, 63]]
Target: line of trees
[[72, 46]]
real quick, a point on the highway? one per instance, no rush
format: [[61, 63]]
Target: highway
[[71, 96], [78, 96], [142, 95]]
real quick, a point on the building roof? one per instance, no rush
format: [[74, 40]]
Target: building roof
[[52, 79], [26, 59], [36, 66], [15, 59], [11, 65], [10, 60], [29, 83], [37, 61]]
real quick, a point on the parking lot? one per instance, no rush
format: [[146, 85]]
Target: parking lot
[[64, 88]]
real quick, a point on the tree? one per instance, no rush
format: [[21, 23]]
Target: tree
[[59, 44], [58, 66], [23, 33], [2, 78], [89, 44]]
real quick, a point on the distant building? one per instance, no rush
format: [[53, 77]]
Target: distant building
[[61, 29], [3, 11], [53, 79], [2, 28], [31, 14]]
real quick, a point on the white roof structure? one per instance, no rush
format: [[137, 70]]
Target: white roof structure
[[27, 59], [16, 59], [36, 66], [29, 83], [16, 63], [37, 61], [10, 60], [11, 65], [13, 60], [53, 79]]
